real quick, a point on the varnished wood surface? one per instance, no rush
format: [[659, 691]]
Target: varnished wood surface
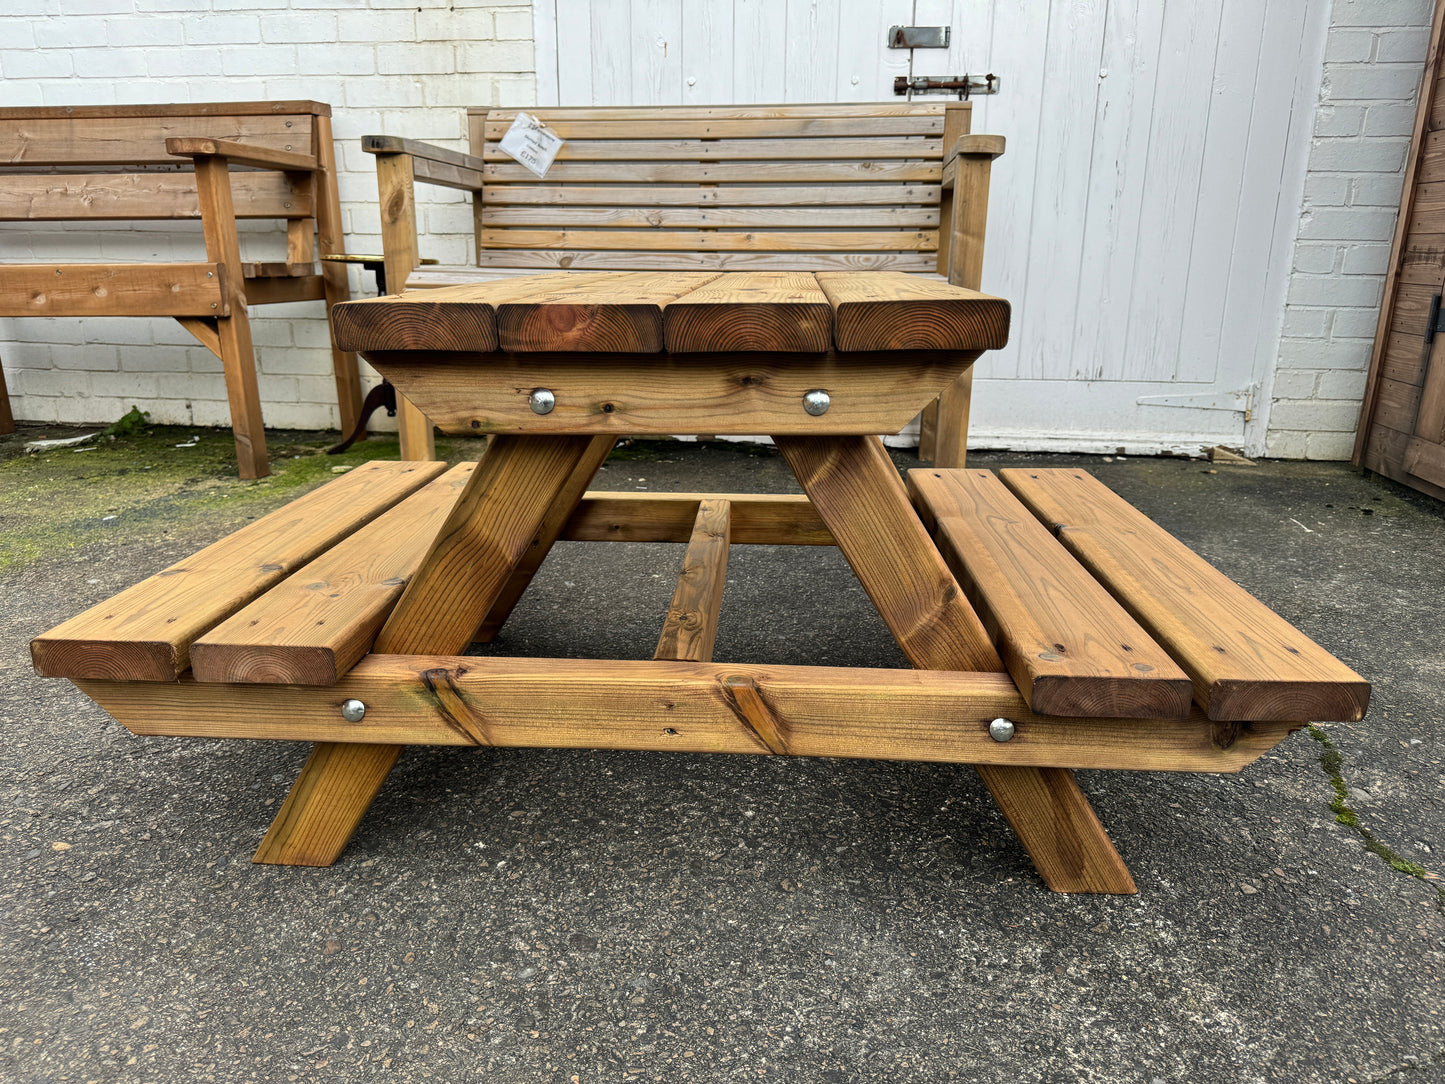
[[313, 626], [690, 629], [683, 312], [874, 714], [1245, 660], [320, 813], [1072, 650], [144, 633], [159, 289]]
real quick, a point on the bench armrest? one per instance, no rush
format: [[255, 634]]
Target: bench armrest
[[977, 148], [434, 165], [241, 153]]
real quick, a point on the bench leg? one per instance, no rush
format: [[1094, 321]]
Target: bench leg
[[326, 803], [1058, 828], [856, 489]]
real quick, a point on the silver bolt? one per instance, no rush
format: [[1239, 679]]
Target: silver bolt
[[353, 711], [817, 402], [1001, 730], [541, 401]]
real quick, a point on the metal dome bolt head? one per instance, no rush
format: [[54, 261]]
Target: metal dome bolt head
[[542, 401], [1001, 730], [817, 402], [353, 711]]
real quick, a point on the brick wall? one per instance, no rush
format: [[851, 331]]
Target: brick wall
[[1373, 61], [402, 67]]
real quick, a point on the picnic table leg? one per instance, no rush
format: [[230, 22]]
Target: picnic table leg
[[499, 513], [856, 489]]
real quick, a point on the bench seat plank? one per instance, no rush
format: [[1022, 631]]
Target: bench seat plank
[[888, 310], [1070, 647], [145, 632], [752, 311], [311, 628], [1246, 662]]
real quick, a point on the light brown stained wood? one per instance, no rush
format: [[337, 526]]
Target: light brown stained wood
[[204, 330], [636, 394], [781, 311], [1072, 650], [619, 313], [1397, 405], [1057, 826], [1246, 661], [794, 197], [912, 715], [396, 195], [159, 289], [772, 519], [857, 491], [888, 310], [238, 357], [561, 512], [651, 216], [314, 626], [320, 813], [621, 260], [1430, 421], [145, 632], [330, 242], [723, 172], [50, 197], [174, 109], [136, 140], [735, 150], [460, 317], [280, 291], [240, 153], [690, 629], [658, 126], [659, 114], [757, 240], [500, 511]]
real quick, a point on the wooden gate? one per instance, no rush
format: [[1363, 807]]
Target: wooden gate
[[1402, 421]]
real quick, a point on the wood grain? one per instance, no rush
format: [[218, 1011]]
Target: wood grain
[[784, 197], [598, 313], [52, 197], [145, 632], [859, 495], [158, 289], [781, 311], [314, 626], [449, 318], [243, 154], [767, 519], [78, 140], [911, 715], [1246, 661], [662, 394], [888, 310], [732, 240], [690, 629], [1072, 650], [320, 813]]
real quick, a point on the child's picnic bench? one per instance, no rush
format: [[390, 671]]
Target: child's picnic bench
[[1052, 626], [898, 186], [220, 163]]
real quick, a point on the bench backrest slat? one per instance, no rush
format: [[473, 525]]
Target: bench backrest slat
[[137, 141], [54, 197], [800, 187]]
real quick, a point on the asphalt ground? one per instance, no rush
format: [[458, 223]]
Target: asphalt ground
[[596, 916]]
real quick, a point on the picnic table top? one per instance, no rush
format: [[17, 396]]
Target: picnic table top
[[640, 312]]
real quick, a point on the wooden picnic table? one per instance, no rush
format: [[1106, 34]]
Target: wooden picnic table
[[1109, 646]]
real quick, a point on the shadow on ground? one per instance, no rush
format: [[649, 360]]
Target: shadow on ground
[[574, 916]]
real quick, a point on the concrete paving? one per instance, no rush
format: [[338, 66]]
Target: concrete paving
[[580, 916]]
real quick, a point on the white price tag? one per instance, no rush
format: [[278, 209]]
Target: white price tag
[[532, 143]]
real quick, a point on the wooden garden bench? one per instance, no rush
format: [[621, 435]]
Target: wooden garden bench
[[897, 186], [220, 163], [1052, 626]]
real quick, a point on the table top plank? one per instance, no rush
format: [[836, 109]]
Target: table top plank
[[748, 311], [892, 310], [596, 312], [682, 312]]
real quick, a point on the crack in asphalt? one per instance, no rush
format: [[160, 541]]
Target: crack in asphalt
[[1332, 761]]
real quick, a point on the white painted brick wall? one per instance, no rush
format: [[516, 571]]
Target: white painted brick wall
[[400, 67], [1374, 57]]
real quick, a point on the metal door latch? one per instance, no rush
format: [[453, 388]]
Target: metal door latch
[[965, 85], [919, 37], [1434, 323]]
